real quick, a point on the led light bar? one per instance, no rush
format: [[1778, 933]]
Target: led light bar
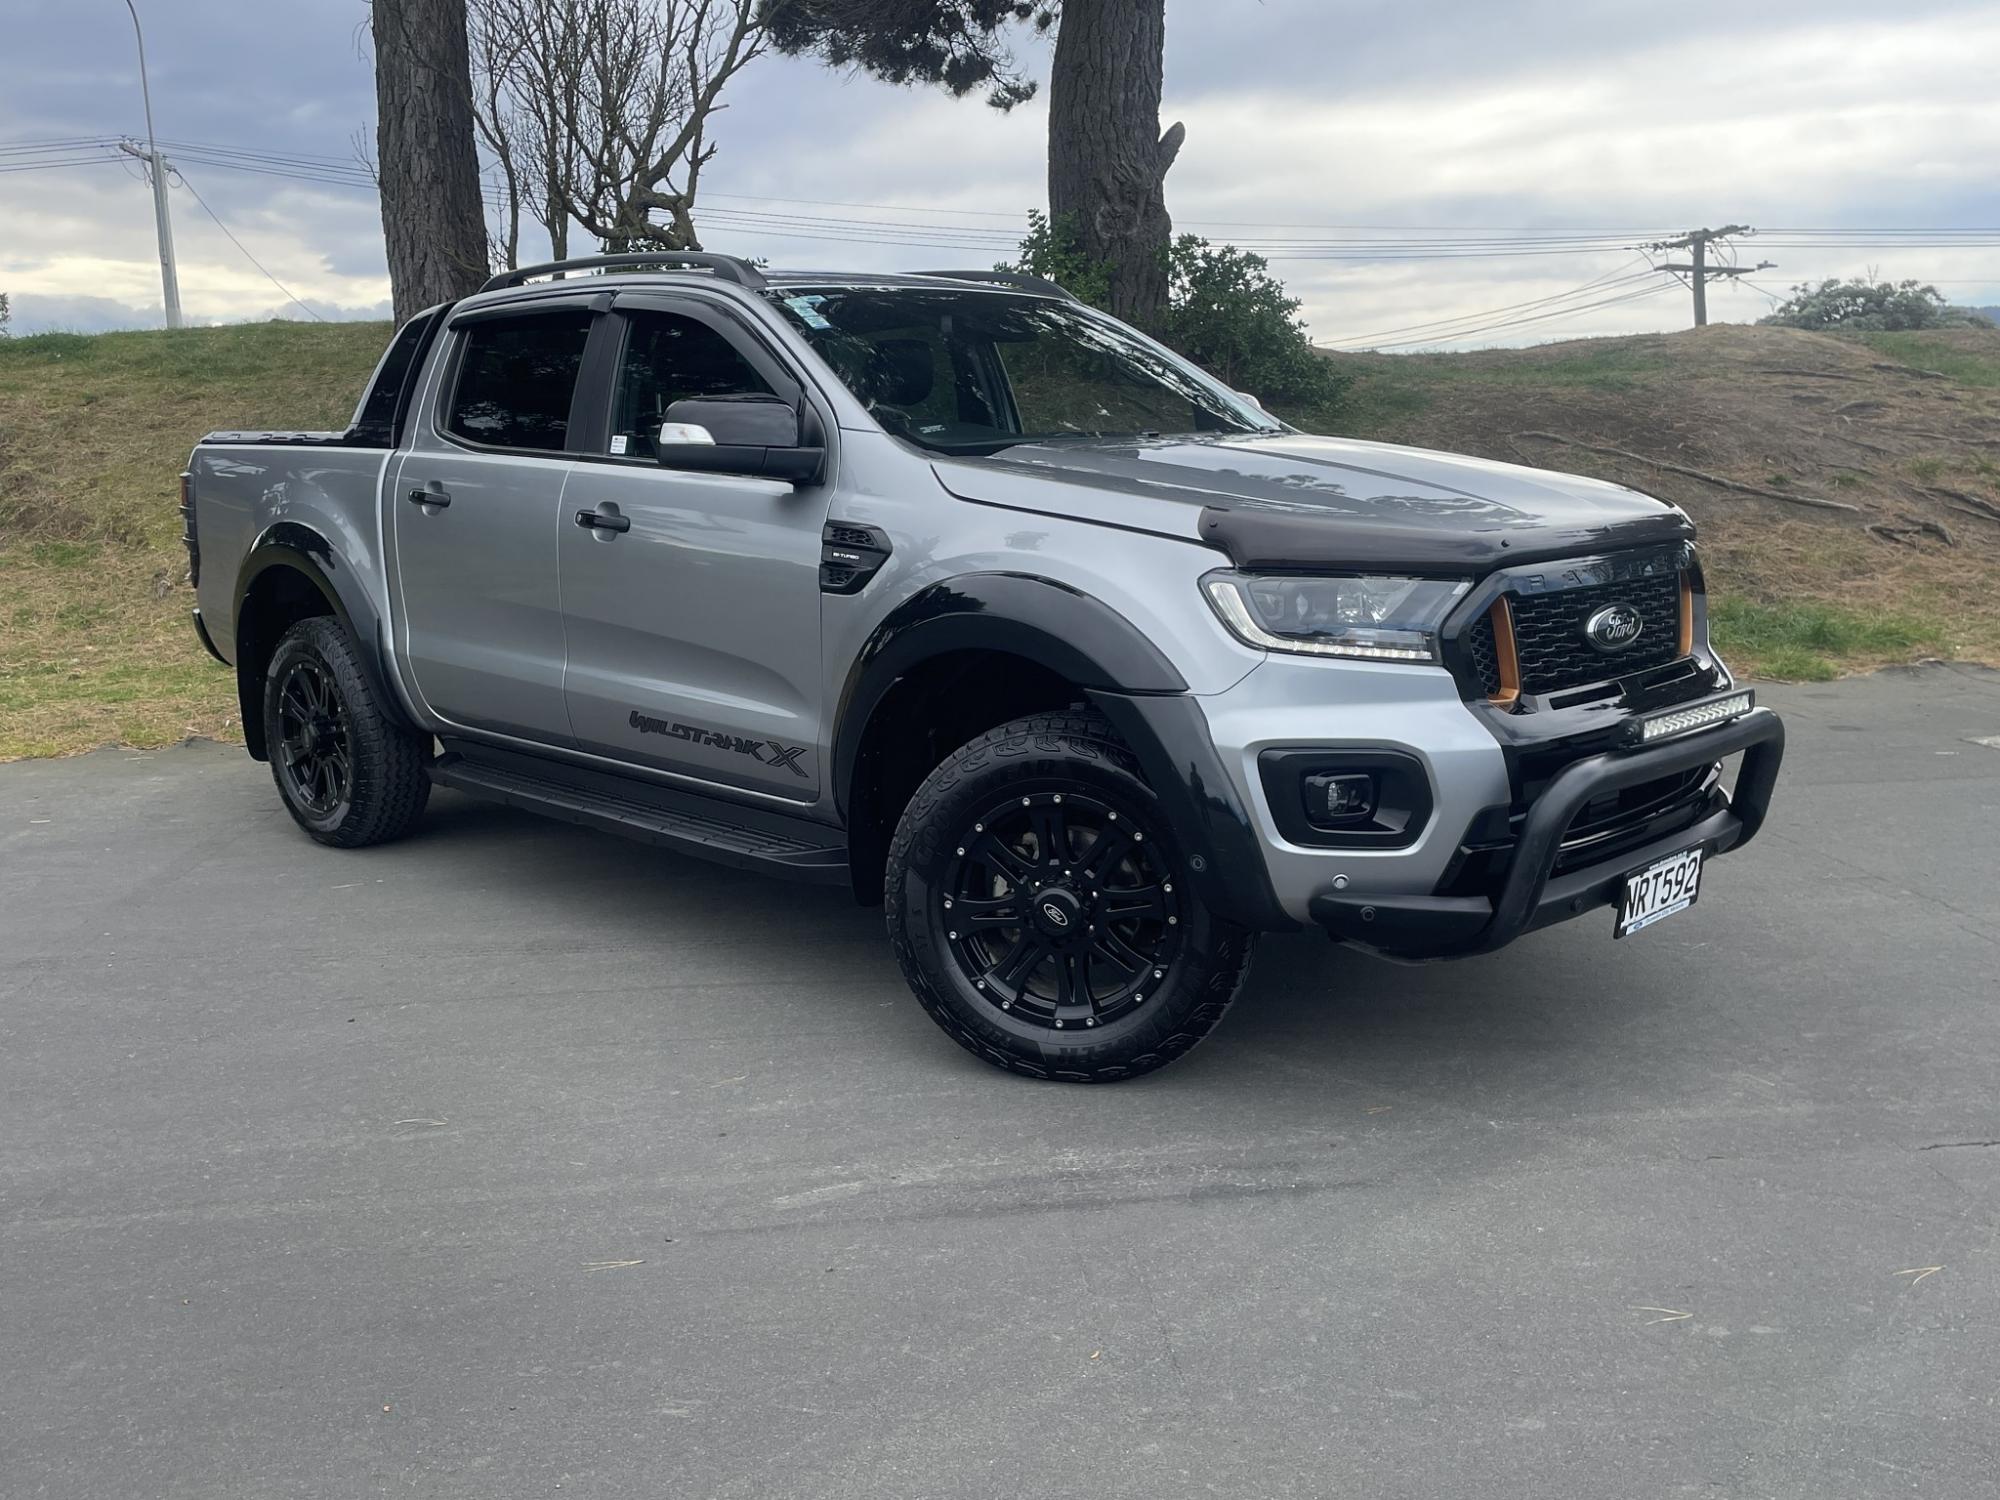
[[1700, 716]]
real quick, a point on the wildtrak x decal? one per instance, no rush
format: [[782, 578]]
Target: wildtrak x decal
[[764, 752]]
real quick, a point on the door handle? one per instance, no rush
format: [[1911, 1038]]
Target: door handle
[[439, 498], [597, 520]]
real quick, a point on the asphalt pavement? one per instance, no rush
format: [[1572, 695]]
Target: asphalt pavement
[[518, 1160]]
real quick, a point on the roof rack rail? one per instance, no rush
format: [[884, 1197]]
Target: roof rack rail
[[727, 267], [1021, 279]]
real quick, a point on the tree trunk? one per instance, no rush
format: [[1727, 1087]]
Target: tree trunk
[[433, 219], [1107, 159]]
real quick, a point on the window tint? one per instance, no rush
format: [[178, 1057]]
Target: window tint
[[916, 375], [671, 358], [378, 420], [975, 372], [1069, 386], [515, 380]]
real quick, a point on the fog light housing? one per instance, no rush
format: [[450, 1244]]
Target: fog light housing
[[1339, 799], [1346, 797]]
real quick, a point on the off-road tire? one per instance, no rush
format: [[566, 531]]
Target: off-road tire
[[1077, 753], [385, 785]]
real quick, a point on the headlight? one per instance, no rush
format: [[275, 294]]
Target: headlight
[[1382, 619]]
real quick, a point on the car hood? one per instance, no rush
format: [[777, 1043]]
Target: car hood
[[1294, 500]]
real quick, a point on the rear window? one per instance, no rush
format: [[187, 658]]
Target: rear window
[[378, 420], [516, 377]]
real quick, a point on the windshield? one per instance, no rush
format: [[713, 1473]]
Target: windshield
[[972, 372]]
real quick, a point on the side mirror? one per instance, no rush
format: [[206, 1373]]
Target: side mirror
[[752, 435]]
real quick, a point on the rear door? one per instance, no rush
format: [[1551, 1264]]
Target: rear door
[[694, 634], [477, 507]]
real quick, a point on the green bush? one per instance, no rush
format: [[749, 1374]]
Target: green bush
[[1225, 311], [1052, 251], [1870, 307]]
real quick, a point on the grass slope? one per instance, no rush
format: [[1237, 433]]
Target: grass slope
[[95, 646], [1904, 427]]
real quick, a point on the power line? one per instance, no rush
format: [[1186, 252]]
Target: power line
[[1608, 279], [47, 166], [1512, 325], [182, 176]]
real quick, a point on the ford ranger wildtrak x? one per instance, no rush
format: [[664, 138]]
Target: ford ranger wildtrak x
[[951, 590]]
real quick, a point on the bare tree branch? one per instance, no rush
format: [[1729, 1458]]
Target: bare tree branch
[[595, 112]]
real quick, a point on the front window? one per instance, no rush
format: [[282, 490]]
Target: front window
[[972, 372], [671, 358]]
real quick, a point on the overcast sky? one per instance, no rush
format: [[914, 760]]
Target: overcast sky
[[1612, 118]]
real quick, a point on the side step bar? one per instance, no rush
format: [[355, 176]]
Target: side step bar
[[748, 838]]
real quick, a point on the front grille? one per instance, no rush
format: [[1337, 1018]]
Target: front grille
[[1485, 654], [1555, 654]]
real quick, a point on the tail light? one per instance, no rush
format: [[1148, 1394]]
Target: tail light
[[189, 538]]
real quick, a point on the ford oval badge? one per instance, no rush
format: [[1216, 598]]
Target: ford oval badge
[[1614, 627]]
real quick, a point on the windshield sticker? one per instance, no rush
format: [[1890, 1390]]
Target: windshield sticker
[[618, 444], [808, 310]]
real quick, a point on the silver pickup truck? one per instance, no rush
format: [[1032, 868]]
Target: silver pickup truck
[[954, 591]]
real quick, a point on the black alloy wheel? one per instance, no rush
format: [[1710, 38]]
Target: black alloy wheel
[[1039, 905], [350, 771], [314, 753], [1059, 911]]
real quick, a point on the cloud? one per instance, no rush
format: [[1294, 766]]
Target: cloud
[[38, 312], [1612, 115]]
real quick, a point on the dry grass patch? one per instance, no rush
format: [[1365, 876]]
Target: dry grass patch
[[95, 645]]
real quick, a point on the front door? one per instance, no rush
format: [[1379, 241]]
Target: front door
[[477, 510], [694, 631]]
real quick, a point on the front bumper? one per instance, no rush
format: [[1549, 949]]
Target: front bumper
[[1529, 896]]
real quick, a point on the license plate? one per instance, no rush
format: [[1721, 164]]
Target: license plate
[[1658, 891]]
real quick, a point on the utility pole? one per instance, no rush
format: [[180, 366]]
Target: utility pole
[[170, 282], [1698, 270]]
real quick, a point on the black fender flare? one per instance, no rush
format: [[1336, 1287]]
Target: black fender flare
[[300, 549], [1121, 672]]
